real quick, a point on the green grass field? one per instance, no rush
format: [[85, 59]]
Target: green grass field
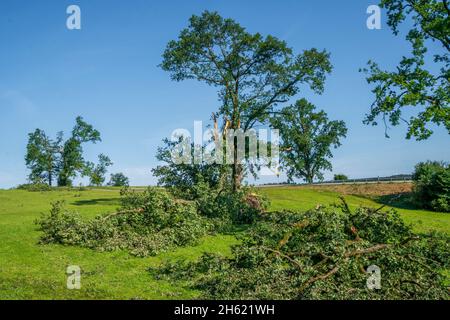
[[32, 271]]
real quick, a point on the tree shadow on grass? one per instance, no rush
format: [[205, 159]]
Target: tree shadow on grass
[[100, 201], [404, 200]]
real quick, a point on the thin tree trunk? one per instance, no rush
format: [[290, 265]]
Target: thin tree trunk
[[237, 168]]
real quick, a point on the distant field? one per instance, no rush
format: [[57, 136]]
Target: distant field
[[369, 195], [32, 271]]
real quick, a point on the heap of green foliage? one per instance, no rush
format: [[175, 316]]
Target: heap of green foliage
[[432, 185], [151, 222], [34, 187], [148, 223], [210, 187], [230, 208], [321, 254]]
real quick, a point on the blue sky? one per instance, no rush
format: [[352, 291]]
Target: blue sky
[[108, 73]]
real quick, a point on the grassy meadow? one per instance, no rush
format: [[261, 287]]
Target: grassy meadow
[[32, 271]]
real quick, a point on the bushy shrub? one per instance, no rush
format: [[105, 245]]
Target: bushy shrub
[[148, 223], [34, 187], [119, 180], [340, 177], [181, 179], [432, 185], [322, 254], [239, 207], [62, 226]]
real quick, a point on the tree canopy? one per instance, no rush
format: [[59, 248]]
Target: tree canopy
[[48, 159], [72, 160], [182, 178], [420, 80], [307, 138], [119, 180], [97, 172], [253, 73], [42, 157]]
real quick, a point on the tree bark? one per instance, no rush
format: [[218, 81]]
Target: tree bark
[[237, 168]]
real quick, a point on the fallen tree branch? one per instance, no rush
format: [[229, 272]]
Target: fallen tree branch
[[279, 253], [373, 249], [320, 277], [336, 268]]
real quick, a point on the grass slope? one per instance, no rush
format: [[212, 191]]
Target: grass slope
[[301, 198], [32, 271]]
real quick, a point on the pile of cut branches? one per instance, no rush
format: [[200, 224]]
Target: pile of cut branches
[[147, 223], [326, 253]]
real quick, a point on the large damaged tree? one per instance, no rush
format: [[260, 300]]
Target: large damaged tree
[[253, 73]]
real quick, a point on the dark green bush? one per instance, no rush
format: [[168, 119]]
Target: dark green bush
[[148, 223], [322, 254], [181, 179], [432, 185], [240, 207], [340, 177], [119, 180]]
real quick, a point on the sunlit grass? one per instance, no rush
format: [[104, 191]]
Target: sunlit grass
[[32, 271]]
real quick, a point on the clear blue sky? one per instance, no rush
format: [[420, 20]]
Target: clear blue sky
[[108, 73]]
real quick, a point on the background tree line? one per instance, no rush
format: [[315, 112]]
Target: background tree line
[[60, 160]]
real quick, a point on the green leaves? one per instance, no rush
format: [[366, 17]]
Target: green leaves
[[48, 159], [42, 157], [119, 180], [307, 139], [322, 254], [97, 173], [72, 161], [414, 83], [432, 185], [182, 179], [148, 223], [253, 73]]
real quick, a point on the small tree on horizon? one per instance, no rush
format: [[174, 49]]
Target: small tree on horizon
[[119, 180], [42, 157], [97, 173], [72, 161], [50, 159], [340, 177]]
